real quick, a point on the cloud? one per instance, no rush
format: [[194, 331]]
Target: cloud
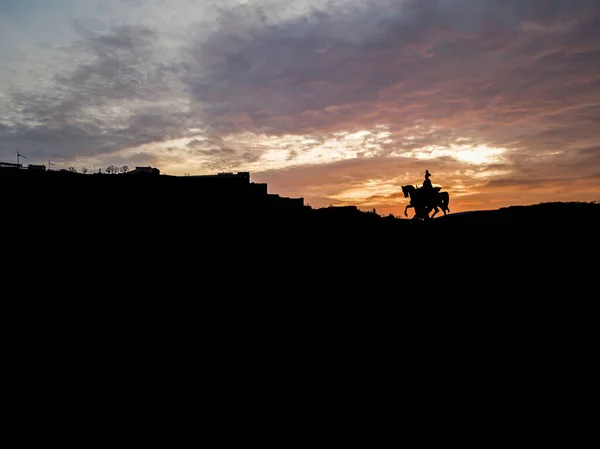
[[122, 96], [524, 76], [499, 71], [349, 85]]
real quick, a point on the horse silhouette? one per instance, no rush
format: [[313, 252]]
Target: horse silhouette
[[423, 200]]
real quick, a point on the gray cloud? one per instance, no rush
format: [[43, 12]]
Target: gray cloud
[[502, 71], [116, 98], [521, 75]]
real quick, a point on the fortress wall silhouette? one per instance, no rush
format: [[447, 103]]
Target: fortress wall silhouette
[[65, 206], [135, 193]]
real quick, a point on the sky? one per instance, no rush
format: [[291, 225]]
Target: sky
[[340, 102]]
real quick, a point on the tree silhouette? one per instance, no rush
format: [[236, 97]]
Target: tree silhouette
[[72, 170], [84, 170], [124, 169]]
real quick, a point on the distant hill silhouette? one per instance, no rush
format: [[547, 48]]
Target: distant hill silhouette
[[229, 199], [221, 228]]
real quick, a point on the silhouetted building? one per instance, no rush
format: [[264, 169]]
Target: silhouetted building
[[231, 187], [258, 188], [9, 165], [147, 189], [144, 171]]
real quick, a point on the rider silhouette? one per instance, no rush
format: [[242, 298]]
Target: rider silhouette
[[427, 181], [427, 191]]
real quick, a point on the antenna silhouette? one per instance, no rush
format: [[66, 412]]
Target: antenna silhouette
[[19, 155], [49, 164]]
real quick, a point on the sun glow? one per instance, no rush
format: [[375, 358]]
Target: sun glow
[[472, 154], [371, 188], [203, 153], [260, 152], [479, 155]]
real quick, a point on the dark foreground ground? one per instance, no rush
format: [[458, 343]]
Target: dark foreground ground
[[161, 235], [130, 292], [307, 245], [155, 291]]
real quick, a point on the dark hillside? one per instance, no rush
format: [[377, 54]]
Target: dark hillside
[[213, 226]]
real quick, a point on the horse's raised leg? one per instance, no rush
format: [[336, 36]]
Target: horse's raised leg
[[405, 209]]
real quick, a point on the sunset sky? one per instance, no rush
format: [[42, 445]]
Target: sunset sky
[[340, 102]]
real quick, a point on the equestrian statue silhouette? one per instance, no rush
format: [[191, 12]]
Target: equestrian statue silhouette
[[425, 199]]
